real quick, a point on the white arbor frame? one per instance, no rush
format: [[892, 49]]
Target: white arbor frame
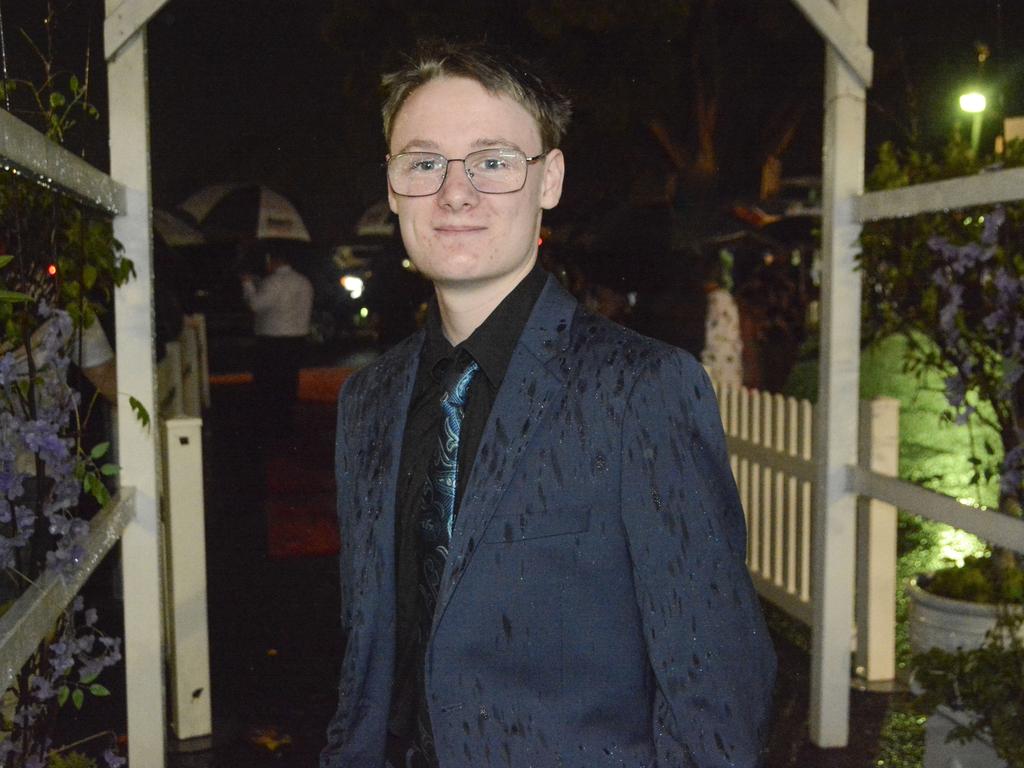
[[126, 194]]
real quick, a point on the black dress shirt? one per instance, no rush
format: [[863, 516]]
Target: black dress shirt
[[491, 346]]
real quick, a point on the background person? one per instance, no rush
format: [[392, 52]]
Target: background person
[[282, 303]]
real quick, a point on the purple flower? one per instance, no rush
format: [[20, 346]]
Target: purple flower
[[41, 688], [956, 391], [1013, 469], [113, 759], [993, 222]]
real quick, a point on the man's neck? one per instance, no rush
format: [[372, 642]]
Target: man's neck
[[464, 307]]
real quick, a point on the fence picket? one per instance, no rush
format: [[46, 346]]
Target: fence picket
[[779, 505], [767, 476], [792, 498], [754, 515], [806, 448]]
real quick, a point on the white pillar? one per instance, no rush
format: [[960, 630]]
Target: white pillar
[[876, 545], [141, 546], [186, 577], [836, 440]]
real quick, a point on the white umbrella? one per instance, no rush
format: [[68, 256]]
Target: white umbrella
[[175, 231], [245, 211]]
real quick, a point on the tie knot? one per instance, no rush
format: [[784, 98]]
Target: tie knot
[[455, 395]]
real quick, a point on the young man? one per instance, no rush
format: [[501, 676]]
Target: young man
[[543, 550]]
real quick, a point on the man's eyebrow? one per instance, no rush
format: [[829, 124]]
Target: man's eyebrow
[[419, 144], [496, 142]]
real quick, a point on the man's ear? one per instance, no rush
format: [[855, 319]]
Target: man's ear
[[554, 174]]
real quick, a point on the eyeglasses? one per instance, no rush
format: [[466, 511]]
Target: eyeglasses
[[493, 171]]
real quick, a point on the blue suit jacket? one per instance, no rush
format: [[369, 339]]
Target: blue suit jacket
[[595, 609]]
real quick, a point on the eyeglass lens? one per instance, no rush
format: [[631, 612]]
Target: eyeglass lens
[[494, 171]]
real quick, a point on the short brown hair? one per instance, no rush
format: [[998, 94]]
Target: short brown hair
[[496, 70]]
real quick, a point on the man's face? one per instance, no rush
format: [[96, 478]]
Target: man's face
[[459, 236]]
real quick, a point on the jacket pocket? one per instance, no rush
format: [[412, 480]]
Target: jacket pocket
[[524, 526]]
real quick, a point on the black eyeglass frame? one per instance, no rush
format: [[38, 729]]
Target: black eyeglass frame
[[449, 160]]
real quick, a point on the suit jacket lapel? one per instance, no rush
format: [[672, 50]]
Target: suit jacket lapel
[[386, 405], [533, 378]]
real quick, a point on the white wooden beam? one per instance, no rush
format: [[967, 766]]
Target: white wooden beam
[[846, 39], [993, 527], [32, 617], [25, 150], [186, 579], [835, 440], [952, 194], [141, 550], [126, 19]]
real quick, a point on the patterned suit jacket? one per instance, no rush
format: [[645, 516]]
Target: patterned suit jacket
[[596, 609]]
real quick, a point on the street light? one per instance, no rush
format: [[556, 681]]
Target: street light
[[974, 103]]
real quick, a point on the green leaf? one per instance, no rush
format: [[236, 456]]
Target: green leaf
[[90, 678], [140, 411], [89, 275], [98, 690], [109, 470], [13, 297], [74, 84], [99, 451], [57, 99], [62, 695], [78, 698], [5, 260]]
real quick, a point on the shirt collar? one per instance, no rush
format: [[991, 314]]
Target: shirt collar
[[492, 343]]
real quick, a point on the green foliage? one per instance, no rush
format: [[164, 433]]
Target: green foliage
[[70, 760], [987, 682], [978, 581]]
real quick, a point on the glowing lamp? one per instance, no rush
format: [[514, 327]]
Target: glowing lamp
[[973, 102], [52, 270]]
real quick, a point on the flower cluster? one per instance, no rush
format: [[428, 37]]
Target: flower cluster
[[37, 453], [981, 331], [41, 472]]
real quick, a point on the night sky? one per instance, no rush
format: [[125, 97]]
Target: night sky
[[262, 91]]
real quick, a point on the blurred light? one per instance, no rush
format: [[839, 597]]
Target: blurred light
[[52, 270], [540, 241], [973, 102], [354, 285], [406, 264], [364, 313], [956, 545]]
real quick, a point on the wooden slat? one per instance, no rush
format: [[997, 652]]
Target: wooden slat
[[993, 527]]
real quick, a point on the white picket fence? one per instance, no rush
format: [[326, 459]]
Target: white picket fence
[[771, 446]]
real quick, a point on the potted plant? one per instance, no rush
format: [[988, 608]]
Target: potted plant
[[952, 284], [980, 692], [58, 266]]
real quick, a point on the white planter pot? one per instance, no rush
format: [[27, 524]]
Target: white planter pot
[[944, 623]]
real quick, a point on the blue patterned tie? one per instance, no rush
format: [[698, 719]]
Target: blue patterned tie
[[445, 472], [437, 515]]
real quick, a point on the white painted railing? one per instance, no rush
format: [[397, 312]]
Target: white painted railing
[[771, 447], [183, 386], [183, 376]]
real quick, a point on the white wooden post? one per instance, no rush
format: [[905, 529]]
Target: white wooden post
[[140, 552], [198, 321], [836, 423], [876, 546], [170, 377], [186, 574], [191, 386]]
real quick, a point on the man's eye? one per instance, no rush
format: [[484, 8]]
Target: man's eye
[[492, 164], [427, 165]]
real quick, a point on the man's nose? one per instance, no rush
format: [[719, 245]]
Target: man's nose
[[457, 191]]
